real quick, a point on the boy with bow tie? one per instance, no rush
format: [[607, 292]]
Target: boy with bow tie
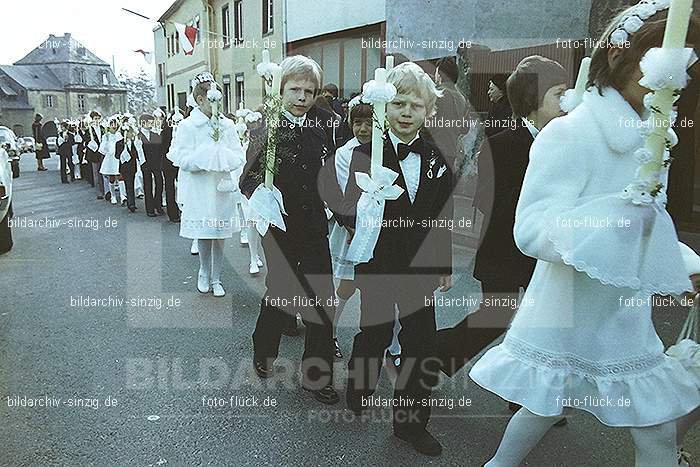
[[412, 258]]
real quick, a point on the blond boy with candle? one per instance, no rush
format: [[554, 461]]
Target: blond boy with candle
[[412, 258]]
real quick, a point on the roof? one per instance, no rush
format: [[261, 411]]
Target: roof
[[60, 49], [171, 10], [33, 77]]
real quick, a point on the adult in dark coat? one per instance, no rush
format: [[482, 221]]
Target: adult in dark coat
[[65, 141], [298, 259], [500, 114], [41, 149], [152, 167]]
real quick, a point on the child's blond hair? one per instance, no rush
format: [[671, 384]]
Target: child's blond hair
[[299, 66], [409, 78]]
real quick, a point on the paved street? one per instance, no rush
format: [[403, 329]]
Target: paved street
[[136, 382]]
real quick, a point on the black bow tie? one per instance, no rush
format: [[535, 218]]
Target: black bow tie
[[403, 149]]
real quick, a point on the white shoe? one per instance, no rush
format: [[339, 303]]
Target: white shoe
[[113, 199], [202, 283], [194, 249], [254, 269], [218, 289], [259, 262]]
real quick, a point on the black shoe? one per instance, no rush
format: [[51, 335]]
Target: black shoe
[[132, 208], [100, 197], [123, 202], [160, 211], [424, 443], [151, 214], [338, 353], [64, 181], [262, 370], [175, 221], [326, 395], [108, 196]]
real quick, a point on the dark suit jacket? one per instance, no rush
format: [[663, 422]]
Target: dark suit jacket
[[300, 155], [152, 150], [66, 149], [425, 249], [91, 135], [502, 164], [129, 167]]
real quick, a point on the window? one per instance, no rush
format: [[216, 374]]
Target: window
[[226, 26], [226, 80], [267, 19], [171, 96], [105, 78], [80, 76], [176, 40], [168, 46], [238, 21], [49, 101], [161, 74], [240, 89], [81, 102]]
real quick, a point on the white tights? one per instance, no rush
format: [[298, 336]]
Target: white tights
[[655, 446], [253, 242], [211, 258]]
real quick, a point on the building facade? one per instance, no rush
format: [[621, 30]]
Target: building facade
[[59, 79], [231, 37]]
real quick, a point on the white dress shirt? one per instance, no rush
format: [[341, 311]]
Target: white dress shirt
[[299, 121], [410, 166], [532, 128]]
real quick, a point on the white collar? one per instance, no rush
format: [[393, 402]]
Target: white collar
[[198, 117], [395, 140], [146, 132], [294, 119], [532, 128], [616, 118]]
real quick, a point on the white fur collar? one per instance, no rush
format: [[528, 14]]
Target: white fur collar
[[198, 117], [618, 121]]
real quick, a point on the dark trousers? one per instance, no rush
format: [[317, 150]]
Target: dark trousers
[[66, 161], [128, 171], [86, 172], [170, 175], [152, 177], [419, 369], [299, 279], [5, 232]]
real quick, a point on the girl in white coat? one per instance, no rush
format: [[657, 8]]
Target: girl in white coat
[[207, 150], [583, 336], [110, 163]]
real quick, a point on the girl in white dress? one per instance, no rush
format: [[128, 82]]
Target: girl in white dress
[[206, 148], [583, 336], [110, 163]]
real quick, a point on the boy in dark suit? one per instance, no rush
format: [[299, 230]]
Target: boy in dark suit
[[412, 258], [298, 259], [152, 167]]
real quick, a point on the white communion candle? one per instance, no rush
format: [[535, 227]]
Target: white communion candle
[[389, 62], [378, 126], [583, 76]]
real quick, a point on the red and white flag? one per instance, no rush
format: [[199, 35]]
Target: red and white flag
[[188, 36], [148, 56]]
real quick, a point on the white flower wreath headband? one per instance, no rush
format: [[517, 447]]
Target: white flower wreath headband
[[634, 20]]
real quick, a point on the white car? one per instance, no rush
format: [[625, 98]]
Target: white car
[[26, 144], [8, 141], [51, 144], [5, 183]]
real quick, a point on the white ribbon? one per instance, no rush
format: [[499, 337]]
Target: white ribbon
[[268, 206], [370, 212]]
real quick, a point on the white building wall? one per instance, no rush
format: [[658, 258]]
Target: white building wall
[[310, 18]]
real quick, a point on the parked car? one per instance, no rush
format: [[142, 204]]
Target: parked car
[[26, 144], [5, 201], [8, 142], [51, 143]]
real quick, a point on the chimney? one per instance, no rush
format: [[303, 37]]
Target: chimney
[[66, 35]]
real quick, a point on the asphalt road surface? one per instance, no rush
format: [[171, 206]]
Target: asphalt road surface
[[164, 377]]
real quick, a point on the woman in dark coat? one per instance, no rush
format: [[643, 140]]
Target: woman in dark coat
[[42, 150]]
